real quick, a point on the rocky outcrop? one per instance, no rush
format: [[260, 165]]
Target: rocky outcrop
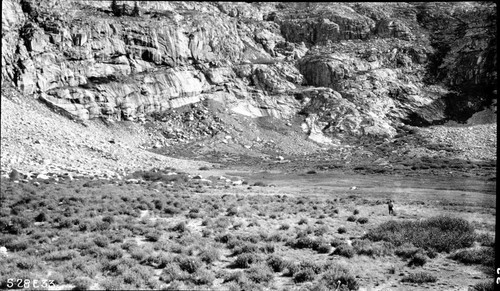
[[92, 64], [464, 36], [381, 83], [375, 65]]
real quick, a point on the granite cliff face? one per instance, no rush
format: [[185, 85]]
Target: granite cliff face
[[348, 69]]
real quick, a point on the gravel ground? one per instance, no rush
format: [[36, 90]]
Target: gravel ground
[[475, 142], [35, 139]]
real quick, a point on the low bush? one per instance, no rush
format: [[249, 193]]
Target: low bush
[[181, 227], [82, 283], [481, 256], [62, 255], [171, 210], [303, 221], [173, 272], [362, 220], [112, 283], [245, 260], [277, 264], [431, 253], [304, 275], [112, 253], [188, 264], [101, 241], [42, 217], [225, 238], [284, 226], [304, 242], [351, 218], [372, 249], [304, 271], [202, 277], [136, 276], [209, 255], [336, 242], [260, 273], [232, 211], [341, 230], [483, 286], [27, 263], [337, 277], [419, 278], [138, 253], [321, 230], [355, 212], [406, 250], [153, 236], [344, 250], [268, 248], [441, 233], [260, 184], [486, 240], [419, 259], [324, 248]]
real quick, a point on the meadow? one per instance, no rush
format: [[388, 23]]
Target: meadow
[[172, 232]]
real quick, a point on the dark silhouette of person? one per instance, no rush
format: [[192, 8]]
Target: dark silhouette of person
[[391, 207]]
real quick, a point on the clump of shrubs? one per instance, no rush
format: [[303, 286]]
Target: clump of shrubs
[[486, 240], [484, 256], [209, 255], [324, 248], [304, 271], [260, 184], [362, 220], [372, 249], [245, 260], [181, 227], [260, 273], [341, 230], [419, 259], [406, 250], [344, 250], [441, 233], [188, 264], [420, 278], [351, 218], [284, 226], [277, 264], [303, 242], [483, 286], [337, 277], [173, 272]]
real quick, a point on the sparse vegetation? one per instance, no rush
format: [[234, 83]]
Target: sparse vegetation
[[185, 236]]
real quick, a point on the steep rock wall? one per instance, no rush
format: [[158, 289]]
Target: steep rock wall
[[375, 65]]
